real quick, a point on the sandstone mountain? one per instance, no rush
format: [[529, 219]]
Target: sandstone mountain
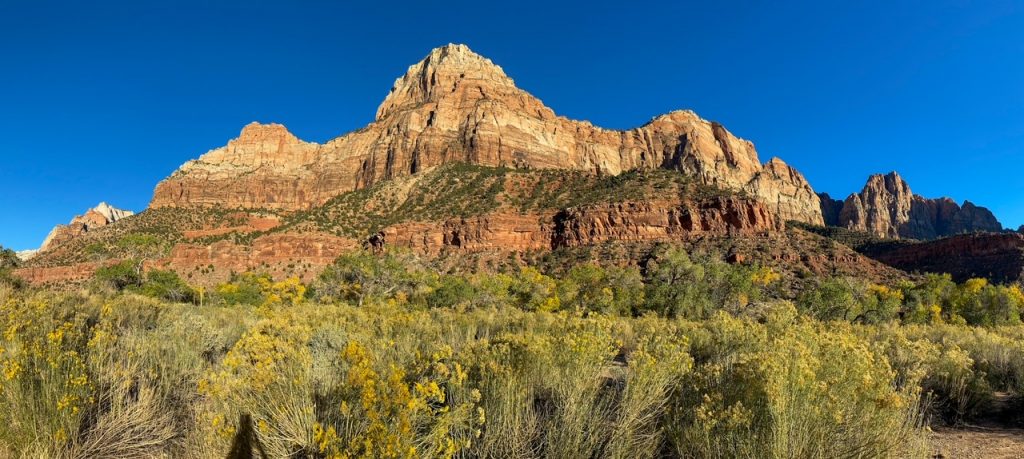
[[456, 106], [887, 208], [97, 217], [462, 166]]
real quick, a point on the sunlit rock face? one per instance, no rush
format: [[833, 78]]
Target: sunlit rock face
[[457, 106]]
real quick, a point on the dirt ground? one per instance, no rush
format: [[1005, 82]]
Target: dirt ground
[[977, 442]]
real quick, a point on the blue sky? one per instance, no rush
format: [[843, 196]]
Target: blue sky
[[101, 100]]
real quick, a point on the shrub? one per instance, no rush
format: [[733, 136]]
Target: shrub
[[589, 287], [359, 275], [791, 390], [119, 276], [677, 286], [167, 285]]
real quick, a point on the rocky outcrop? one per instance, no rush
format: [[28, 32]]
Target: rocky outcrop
[[456, 106], [649, 221], [998, 257], [25, 255], [887, 208], [97, 217], [663, 221]]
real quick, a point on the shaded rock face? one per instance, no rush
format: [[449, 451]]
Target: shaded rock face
[[996, 257], [830, 209], [99, 216], [887, 208], [667, 220], [456, 106]]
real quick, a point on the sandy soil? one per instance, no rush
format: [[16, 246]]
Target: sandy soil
[[977, 442]]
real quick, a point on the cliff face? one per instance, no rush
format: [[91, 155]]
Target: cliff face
[[456, 106], [648, 221], [887, 208], [97, 217]]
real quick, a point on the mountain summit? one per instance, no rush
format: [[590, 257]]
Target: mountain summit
[[452, 72], [457, 106], [887, 208]]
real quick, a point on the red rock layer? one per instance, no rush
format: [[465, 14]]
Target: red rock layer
[[626, 222]]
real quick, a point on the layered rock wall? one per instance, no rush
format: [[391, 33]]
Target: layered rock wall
[[626, 222], [456, 106]]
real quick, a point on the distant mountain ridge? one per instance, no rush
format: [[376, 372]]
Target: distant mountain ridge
[[97, 217], [887, 208]]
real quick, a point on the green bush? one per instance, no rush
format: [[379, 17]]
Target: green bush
[[167, 285], [677, 286], [119, 276], [359, 275]]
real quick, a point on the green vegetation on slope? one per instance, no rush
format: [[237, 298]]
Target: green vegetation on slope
[[463, 190]]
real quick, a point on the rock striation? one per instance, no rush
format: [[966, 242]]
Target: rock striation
[[102, 215], [648, 221], [457, 106], [887, 208]]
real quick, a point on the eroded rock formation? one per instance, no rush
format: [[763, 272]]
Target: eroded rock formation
[[887, 208], [456, 106]]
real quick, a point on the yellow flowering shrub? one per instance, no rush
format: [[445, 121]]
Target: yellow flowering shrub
[[393, 412], [495, 365], [46, 385], [266, 374], [799, 391]]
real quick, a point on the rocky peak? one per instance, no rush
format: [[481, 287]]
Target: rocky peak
[[110, 213], [26, 255], [102, 215], [887, 208], [440, 75], [881, 206], [272, 134]]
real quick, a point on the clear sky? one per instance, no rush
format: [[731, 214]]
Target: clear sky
[[101, 100]]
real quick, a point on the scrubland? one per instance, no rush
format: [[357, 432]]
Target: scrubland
[[383, 357]]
